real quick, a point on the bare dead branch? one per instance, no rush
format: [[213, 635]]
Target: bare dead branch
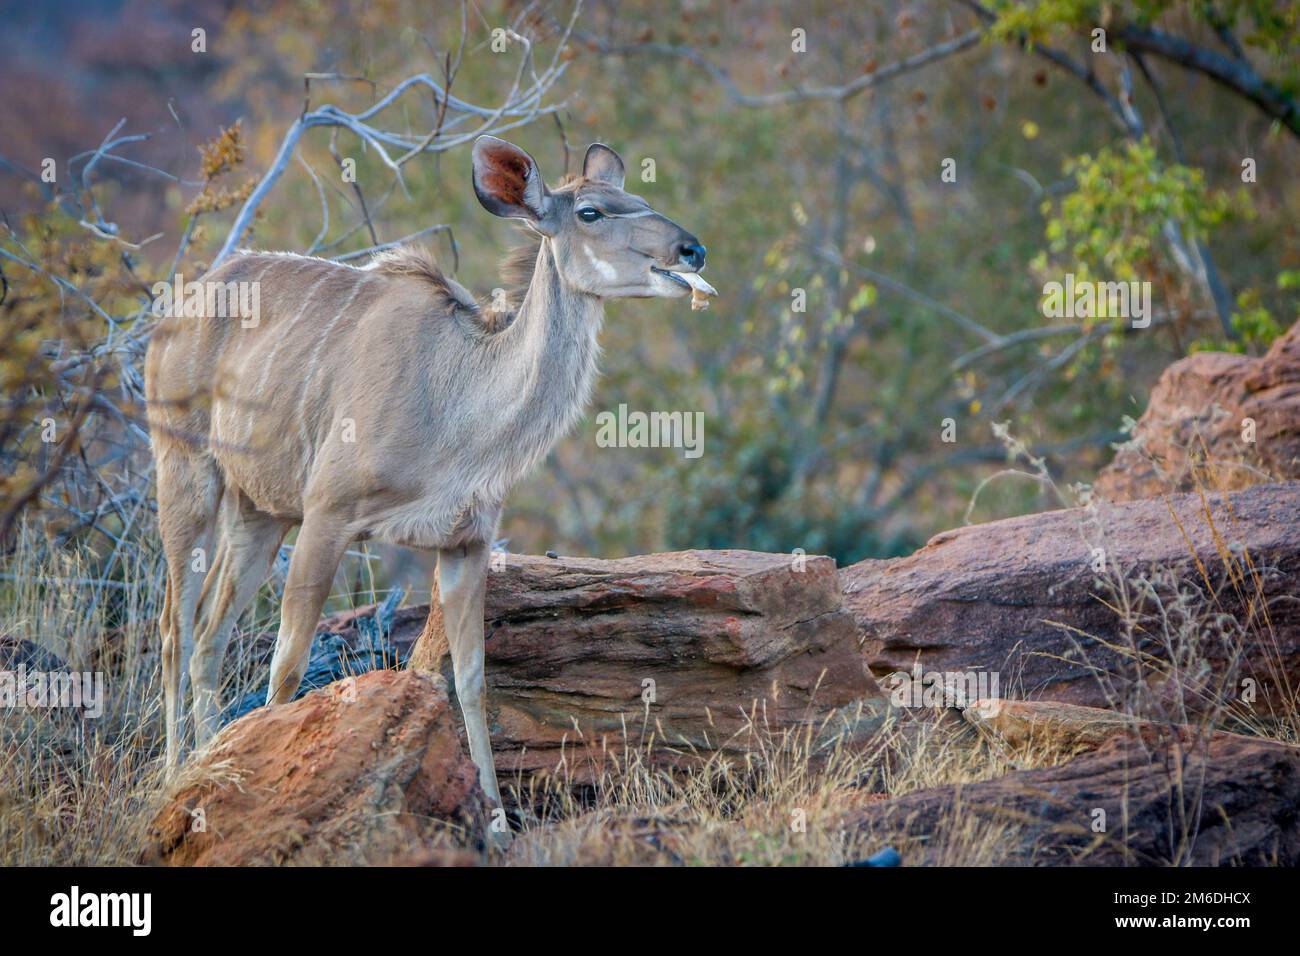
[[458, 123]]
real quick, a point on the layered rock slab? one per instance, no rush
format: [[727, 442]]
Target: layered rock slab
[[699, 650], [1023, 598], [1143, 799]]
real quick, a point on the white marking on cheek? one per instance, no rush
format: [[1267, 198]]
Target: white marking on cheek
[[606, 271]]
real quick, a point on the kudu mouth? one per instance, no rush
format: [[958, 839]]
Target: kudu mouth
[[691, 282], [687, 280], [687, 274]]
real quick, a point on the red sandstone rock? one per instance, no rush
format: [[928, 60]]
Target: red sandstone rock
[[575, 646], [352, 773], [1019, 597], [1192, 429], [1225, 801], [1047, 723]]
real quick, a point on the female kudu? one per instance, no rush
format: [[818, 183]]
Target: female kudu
[[382, 402]]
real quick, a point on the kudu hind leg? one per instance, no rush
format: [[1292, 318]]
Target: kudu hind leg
[[462, 580], [316, 555], [249, 542], [187, 495]]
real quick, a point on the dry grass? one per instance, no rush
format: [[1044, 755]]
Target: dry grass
[[78, 789], [73, 788], [1177, 655], [784, 802], [1179, 638]]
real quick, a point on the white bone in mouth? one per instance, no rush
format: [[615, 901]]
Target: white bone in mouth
[[697, 283], [700, 289]]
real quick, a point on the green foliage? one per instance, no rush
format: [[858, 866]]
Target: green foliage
[[1038, 19], [1270, 27], [1112, 225], [1253, 321]]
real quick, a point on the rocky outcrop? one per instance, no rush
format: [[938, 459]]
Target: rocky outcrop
[[1047, 724], [359, 772], [1023, 598], [1136, 801], [695, 648], [1192, 430]]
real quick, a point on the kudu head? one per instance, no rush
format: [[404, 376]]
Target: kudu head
[[607, 242]]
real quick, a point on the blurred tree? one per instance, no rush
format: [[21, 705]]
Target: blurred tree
[[883, 203]]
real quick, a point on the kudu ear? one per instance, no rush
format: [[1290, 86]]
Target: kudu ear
[[603, 165], [509, 184]]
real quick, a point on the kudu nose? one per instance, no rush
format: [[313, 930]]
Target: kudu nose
[[692, 254]]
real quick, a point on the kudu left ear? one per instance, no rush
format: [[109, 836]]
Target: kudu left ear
[[603, 164]]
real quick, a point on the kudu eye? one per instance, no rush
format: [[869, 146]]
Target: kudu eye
[[590, 214]]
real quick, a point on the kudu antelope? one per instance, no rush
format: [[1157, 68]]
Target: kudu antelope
[[382, 402]]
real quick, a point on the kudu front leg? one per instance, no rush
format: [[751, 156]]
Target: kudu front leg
[[316, 555], [462, 580]]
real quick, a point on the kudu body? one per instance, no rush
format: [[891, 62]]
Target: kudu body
[[381, 402]]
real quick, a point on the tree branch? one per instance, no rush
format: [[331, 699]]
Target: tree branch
[[1236, 75]]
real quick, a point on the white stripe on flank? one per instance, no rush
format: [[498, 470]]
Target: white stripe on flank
[[198, 336], [275, 349], [315, 361]]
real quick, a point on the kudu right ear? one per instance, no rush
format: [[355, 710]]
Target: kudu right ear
[[509, 184]]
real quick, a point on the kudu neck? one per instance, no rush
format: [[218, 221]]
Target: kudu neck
[[555, 347], [552, 303]]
